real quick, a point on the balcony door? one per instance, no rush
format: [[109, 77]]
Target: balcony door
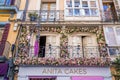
[[83, 46], [48, 11], [90, 48], [52, 46], [75, 46]]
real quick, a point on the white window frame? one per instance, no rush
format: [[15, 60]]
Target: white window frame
[[81, 9], [115, 47]]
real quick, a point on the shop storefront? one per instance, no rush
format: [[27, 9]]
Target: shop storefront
[[64, 73]]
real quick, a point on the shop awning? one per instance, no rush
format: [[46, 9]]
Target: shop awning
[[3, 68], [87, 78]]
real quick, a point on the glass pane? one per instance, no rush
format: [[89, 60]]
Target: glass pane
[[118, 31], [76, 3], [93, 3], [2, 2], [53, 6], [113, 51], [69, 12], [44, 6], [94, 12], [87, 12], [76, 12], [84, 4], [69, 3], [8, 2]]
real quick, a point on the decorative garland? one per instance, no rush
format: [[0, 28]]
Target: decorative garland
[[23, 42]]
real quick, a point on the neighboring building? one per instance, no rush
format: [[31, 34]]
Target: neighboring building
[[8, 33], [67, 39]]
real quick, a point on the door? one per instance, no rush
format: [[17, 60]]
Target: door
[[48, 11], [90, 48], [42, 46], [53, 46], [75, 46]]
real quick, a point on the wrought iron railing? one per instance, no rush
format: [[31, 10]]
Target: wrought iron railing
[[55, 51], [58, 15], [110, 16], [50, 55], [44, 15], [114, 51]]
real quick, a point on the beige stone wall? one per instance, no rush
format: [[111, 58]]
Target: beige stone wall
[[22, 5], [61, 4]]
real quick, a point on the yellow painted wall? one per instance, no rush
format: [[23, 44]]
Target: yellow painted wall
[[12, 35], [4, 17]]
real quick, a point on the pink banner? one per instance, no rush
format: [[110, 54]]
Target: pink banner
[[87, 78]]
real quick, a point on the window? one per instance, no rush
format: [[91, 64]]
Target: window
[[87, 12], [69, 3], [8, 2], [2, 2], [94, 12], [93, 3], [76, 3], [84, 3], [69, 12], [76, 12], [81, 8]]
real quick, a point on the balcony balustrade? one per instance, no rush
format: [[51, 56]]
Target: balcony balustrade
[[50, 55], [58, 15], [44, 15], [10, 4]]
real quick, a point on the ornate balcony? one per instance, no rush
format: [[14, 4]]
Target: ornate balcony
[[10, 5], [44, 15], [51, 55], [31, 53], [59, 16], [109, 16]]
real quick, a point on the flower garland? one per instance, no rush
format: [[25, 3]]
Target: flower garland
[[62, 61], [23, 46]]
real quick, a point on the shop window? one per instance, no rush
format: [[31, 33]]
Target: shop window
[[43, 78]]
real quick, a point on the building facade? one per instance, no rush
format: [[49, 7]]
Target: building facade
[[67, 39], [8, 34]]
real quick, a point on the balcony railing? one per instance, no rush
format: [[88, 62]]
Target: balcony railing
[[58, 15], [109, 16], [44, 15], [10, 4], [50, 55]]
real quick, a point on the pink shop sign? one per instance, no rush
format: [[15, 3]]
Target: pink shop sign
[[87, 78]]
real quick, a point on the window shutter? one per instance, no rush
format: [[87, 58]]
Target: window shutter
[[110, 36]]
